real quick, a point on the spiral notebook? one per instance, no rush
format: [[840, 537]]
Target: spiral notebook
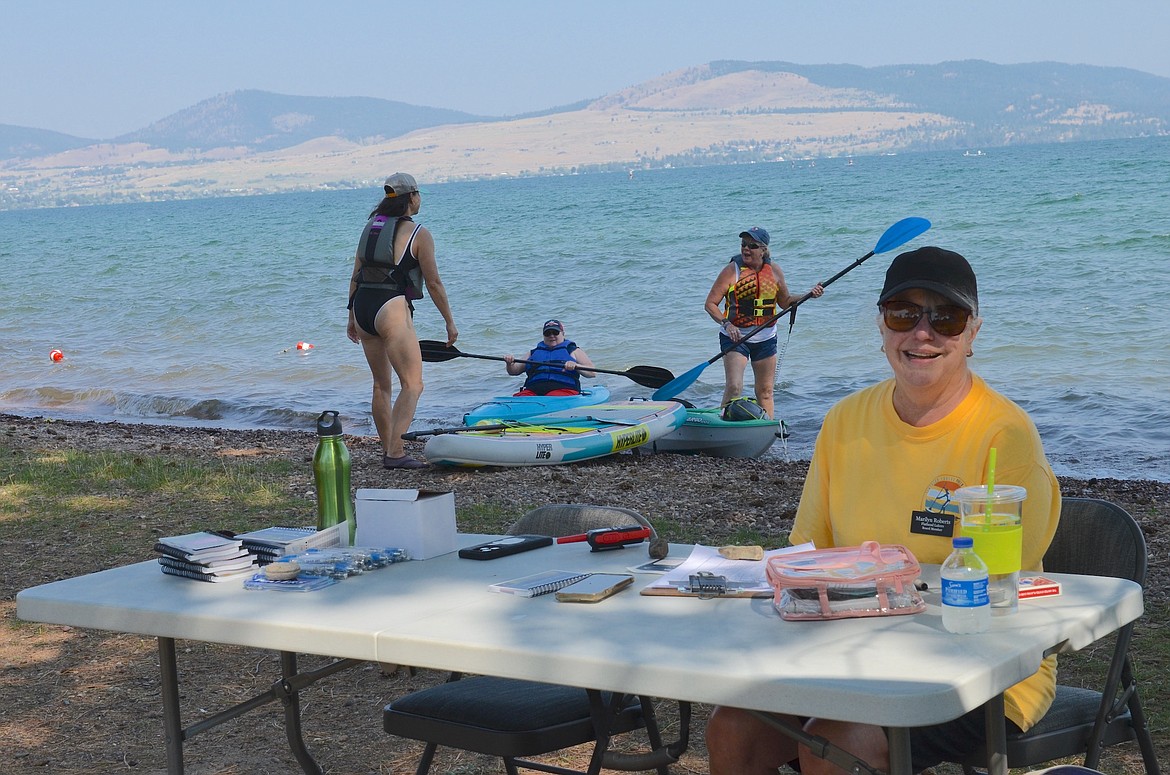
[[538, 583]]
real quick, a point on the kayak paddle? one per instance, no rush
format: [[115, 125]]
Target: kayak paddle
[[414, 435], [897, 235], [648, 376], [502, 425]]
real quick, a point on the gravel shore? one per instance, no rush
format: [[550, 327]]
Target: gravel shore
[[715, 496]]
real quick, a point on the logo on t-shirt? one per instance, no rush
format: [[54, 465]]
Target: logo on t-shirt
[[940, 509], [940, 496]]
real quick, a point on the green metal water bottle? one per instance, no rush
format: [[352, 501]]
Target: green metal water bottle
[[331, 471]]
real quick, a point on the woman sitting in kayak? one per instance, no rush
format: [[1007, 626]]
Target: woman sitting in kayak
[[556, 367]]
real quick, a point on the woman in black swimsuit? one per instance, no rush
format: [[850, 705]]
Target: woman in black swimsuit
[[395, 258]]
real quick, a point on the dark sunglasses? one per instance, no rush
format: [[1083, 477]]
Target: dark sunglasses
[[750, 245], [551, 332], [946, 319]]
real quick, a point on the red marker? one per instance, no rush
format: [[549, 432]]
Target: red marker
[[609, 537]]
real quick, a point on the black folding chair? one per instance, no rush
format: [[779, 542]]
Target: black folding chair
[[1094, 538]]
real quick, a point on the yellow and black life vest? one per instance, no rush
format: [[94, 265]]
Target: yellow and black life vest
[[751, 299]]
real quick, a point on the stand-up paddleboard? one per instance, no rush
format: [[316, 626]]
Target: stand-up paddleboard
[[559, 437], [523, 407], [705, 432]]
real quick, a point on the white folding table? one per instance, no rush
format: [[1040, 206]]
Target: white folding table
[[897, 672]]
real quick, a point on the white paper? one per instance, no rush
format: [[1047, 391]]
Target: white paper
[[746, 575]]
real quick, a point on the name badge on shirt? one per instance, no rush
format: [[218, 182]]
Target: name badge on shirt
[[932, 523]]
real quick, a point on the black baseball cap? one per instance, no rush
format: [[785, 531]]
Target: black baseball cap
[[933, 269], [553, 325]]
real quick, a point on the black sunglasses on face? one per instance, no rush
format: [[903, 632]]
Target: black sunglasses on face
[[750, 245], [946, 319]]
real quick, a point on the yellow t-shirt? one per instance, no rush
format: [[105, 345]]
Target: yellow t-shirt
[[870, 471]]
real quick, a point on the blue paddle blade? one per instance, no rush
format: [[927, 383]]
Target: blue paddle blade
[[900, 233], [680, 383]]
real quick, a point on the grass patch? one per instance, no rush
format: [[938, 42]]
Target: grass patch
[[61, 482], [701, 534], [101, 509], [486, 517]]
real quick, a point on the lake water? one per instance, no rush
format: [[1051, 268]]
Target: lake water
[[189, 312]]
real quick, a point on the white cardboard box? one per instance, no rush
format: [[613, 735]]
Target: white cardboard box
[[420, 521]]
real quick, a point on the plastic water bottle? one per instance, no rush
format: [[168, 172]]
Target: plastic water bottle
[[331, 472], [966, 607]]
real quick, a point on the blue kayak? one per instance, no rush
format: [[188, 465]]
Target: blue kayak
[[521, 407]]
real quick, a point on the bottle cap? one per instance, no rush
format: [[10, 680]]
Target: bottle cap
[[963, 542], [329, 424]]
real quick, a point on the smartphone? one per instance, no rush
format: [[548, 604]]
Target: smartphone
[[502, 547], [597, 587]]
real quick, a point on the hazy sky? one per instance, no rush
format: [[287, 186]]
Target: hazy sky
[[105, 67]]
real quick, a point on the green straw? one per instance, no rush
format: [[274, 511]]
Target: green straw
[[990, 488]]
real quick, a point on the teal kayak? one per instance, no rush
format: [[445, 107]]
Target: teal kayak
[[521, 407], [705, 432], [558, 437]]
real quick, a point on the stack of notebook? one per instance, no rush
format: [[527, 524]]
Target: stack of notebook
[[205, 557], [272, 542]]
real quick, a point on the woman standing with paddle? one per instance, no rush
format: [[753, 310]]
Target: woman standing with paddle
[[395, 259], [754, 290]]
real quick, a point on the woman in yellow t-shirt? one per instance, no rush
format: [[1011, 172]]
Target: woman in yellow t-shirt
[[886, 459]]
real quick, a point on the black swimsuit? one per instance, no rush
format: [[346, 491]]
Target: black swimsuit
[[372, 296]]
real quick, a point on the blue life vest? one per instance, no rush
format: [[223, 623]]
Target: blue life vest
[[538, 372]]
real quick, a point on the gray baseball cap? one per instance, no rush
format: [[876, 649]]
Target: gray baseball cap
[[400, 184]]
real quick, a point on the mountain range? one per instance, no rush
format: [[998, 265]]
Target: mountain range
[[722, 112]]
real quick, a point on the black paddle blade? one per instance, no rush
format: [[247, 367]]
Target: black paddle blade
[[437, 352], [649, 376], [415, 435]]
